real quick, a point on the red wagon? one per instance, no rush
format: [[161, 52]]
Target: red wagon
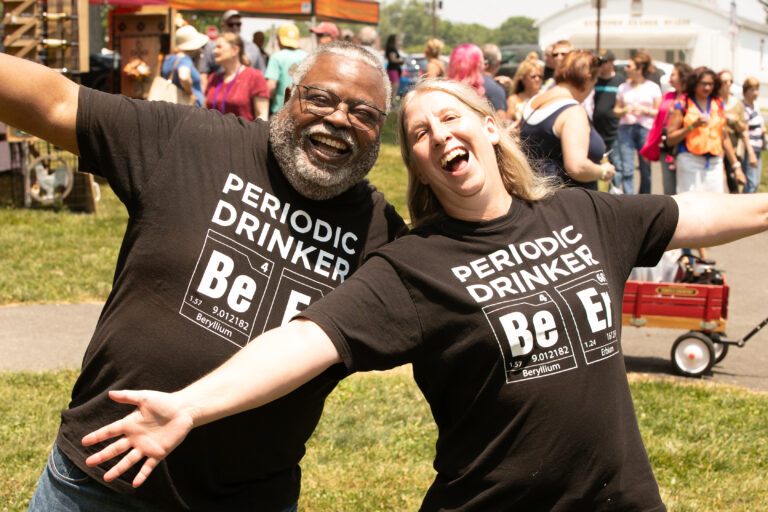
[[701, 308]]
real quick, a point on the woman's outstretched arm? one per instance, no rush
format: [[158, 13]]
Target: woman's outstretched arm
[[270, 366], [708, 219]]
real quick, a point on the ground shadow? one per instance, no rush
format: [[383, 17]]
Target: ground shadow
[[648, 365]]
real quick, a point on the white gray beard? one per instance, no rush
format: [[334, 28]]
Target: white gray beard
[[314, 181]]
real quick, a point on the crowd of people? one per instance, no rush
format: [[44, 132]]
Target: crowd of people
[[259, 267], [627, 121]]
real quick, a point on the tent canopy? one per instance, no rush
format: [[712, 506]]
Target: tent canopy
[[361, 11]]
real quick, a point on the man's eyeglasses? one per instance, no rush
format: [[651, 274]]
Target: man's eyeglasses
[[323, 103], [234, 23]]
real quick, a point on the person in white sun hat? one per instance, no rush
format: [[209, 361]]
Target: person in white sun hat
[[181, 67]]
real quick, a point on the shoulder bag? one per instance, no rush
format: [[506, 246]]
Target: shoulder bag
[[164, 89]]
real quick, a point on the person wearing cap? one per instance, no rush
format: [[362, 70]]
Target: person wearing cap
[[230, 22], [234, 228], [603, 118], [326, 32], [180, 67], [282, 65]]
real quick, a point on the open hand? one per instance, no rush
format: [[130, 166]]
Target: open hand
[[157, 426]]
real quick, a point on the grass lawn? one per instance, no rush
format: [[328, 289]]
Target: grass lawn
[[375, 443]]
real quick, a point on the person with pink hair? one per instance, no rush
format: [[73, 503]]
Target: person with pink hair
[[466, 66]]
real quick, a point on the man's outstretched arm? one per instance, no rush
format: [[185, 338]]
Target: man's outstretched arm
[[39, 101]]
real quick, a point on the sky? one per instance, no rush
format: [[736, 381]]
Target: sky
[[492, 12]]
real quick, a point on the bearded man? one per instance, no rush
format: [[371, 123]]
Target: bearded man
[[233, 228]]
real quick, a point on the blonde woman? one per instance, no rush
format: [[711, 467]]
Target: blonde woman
[[435, 66], [237, 88], [525, 85]]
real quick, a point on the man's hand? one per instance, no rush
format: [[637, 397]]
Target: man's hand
[[157, 426]]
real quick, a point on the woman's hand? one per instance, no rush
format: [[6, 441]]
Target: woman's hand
[[700, 121], [741, 178], [157, 426], [608, 171]]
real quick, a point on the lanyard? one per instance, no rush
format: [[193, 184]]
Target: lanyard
[[709, 104], [226, 91]]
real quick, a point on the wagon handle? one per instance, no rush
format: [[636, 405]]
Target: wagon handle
[[754, 331]]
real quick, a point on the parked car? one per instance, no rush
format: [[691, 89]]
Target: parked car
[[414, 66], [512, 55]]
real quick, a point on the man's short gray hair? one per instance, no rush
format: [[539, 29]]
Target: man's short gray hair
[[491, 55], [350, 52], [368, 35]]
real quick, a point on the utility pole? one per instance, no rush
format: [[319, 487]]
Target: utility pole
[[597, 42], [434, 18]]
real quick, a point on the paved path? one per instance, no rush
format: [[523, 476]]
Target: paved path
[[45, 337]]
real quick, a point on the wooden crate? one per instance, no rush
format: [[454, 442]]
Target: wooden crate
[[697, 307]]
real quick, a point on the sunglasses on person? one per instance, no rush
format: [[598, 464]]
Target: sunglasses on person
[[234, 23], [560, 54]]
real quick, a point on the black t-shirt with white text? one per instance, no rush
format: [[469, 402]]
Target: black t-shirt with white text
[[513, 329], [218, 248]]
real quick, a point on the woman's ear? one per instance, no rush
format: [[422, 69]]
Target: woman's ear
[[492, 130]]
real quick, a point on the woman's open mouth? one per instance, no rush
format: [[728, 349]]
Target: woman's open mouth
[[454, 159]]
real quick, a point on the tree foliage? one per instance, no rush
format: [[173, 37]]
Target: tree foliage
[[412, 21]]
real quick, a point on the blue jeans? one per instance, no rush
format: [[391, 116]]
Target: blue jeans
[[631, 139], [65, 487], [752, 173]]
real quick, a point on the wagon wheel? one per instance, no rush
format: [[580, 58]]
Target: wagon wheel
[[721, 349], [693, 354], [51, 178]]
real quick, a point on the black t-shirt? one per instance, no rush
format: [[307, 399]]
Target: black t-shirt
[[513, 329], [606, 123], [218, 248]]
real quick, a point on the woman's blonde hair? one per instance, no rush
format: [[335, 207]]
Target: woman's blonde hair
[[518, 177], [432, 48], [235, 40], [525, 67]]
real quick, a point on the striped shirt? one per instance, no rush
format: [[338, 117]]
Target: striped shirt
[[755, 126]]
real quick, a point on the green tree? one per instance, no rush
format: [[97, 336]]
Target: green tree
[[412, 21], [518, 30]]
